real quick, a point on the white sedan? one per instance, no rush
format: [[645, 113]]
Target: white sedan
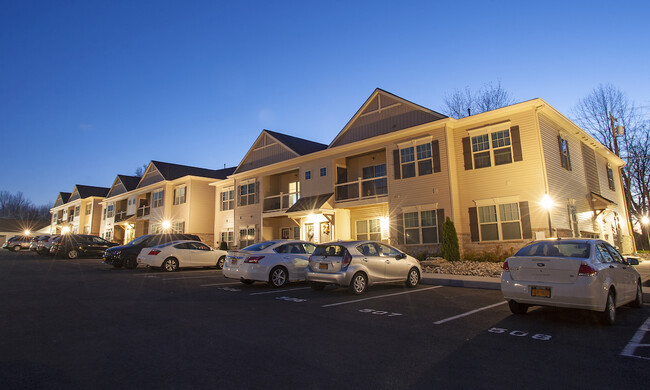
[[186, 253], [276, 262], [573, 273]]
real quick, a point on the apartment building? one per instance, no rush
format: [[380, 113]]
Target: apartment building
[[78, 211], [397, 170]]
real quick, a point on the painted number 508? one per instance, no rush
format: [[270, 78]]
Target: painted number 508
[[520, 333]]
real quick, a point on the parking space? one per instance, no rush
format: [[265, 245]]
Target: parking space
[[199, 316]]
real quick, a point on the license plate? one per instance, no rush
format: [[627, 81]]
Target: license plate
[[543, 292], [322, 266], [233, 262]]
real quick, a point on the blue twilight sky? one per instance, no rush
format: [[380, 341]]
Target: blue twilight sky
[[90, 89]]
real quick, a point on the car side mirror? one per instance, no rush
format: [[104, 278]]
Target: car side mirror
[[632, 261], [400, 256]]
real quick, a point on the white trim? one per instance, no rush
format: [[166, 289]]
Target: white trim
[[414, 142], [489, 128], [496, 201]]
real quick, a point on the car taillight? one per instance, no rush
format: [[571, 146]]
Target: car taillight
[[505, 266], [346, 260], [586, 270], [254, 259], [154, 252]]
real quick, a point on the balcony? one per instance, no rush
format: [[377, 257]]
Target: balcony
[[121, 216], [143, 211], [70, 217], [362, 189], [59, 221], [280, 202]]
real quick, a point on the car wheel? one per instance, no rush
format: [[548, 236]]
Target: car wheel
[[608, 317], [413, 278], [359, 283], [170, 264], [638, 302], [517, 308], [130, 262], [317, 286], [278, 277], [16, 248], [220, 262], [247, 282], [73, 254]]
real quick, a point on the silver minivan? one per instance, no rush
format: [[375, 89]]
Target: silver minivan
[[359, 264]]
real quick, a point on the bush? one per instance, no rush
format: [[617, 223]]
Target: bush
[[223, 246], [496, 256], [450, 249]]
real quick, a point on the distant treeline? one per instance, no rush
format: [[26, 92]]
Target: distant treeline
[[18, 207]]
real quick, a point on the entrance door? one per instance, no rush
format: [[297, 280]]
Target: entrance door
[[325, 232], [309, 232]]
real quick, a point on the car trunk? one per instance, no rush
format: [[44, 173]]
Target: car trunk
[[547, 269], [235, 258]]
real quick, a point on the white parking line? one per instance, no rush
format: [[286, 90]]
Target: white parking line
[[631, 347], [469, 313], [279, 291], [219, 284], [380, 296]]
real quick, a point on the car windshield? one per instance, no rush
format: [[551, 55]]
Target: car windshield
[[259, 247], [137, 240], [556, 249]]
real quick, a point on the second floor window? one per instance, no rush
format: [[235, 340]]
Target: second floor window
[[179, 195], [77, 210], [89, 208], [157, 198], [564, 153], [323, 171], [247, 194], [228, 199], [492, 147], [110, 211], [610, 178], [416, 160]]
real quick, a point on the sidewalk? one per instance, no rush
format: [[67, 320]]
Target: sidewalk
[[495, 283]]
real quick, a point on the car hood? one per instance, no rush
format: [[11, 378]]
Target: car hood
[[116, 248]]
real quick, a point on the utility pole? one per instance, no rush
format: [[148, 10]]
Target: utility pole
[[626, 188]]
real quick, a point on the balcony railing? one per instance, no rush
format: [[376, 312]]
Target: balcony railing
[[59, 221], [70, 217], [280, 202], [362, 188], [121, 216], [143, 211]]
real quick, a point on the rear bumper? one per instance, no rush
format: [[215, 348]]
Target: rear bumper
[[340, 278], [586, 293], [246, 271]]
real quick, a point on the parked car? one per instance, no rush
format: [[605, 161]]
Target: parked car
[[180, 254], [359, 264], [33, 246], [571, 273], [43, 247], [76, 245], [276, 262], [127, 255], [17, 243]]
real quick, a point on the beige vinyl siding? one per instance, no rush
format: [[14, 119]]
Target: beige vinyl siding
[[200, 202], [365, 213], [317, 185]]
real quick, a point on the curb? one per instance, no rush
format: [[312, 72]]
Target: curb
[[462, 281]]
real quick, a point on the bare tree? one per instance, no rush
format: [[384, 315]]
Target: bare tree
[[139, 171], [462, 103], [19, 207]]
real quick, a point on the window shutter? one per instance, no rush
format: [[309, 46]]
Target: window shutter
[[568, 156], [396, 164], [526, 230], [559, 145], [473, 224], [399, 227], [238, 195], [220, 200], [435, 153], [467, 153], [516, 143], [440, 220], [257, 192]]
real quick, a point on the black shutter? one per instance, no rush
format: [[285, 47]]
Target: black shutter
[[396, 164], [467, 153], [238, 195], [399, 227], [435, 153], [568, 156], [526, 230], [257, 192], [219, 199], [516, 143], [440, 221], [473, 224]]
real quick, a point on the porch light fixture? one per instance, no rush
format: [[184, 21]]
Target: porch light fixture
[[65, 230], [166, 224], [27, 232], [547, 203]]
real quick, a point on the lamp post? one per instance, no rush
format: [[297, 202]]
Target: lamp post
[[548, 204]]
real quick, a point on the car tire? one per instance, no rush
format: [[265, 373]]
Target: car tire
[[72, 254], [247, 282], [170, 264], [517, 308], [130, 262], [316, 286], [608, 317], [220, 262], [358, 283], [638, 301], [278, 277], [413, 278]]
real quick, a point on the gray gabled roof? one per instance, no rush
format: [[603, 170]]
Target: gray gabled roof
[[129, 182], [299, 145], [65, 196], [88, 191], [171, 171]]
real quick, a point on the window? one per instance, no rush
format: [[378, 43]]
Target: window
[[179, 195], [564, 153], [369, 230], [155, 228], [158, 198], [421, 227], [87, 229], [228, 237], [246, 236], [416, 160], [228, 199], [323, 171], [247, 194], [374, 187], [108, 234], [573, 221], [308, 175], [610, 178], [77, 210], [89, 208], [178, 227], [111, 210], [502, 225], [500, 148], [53, 218]]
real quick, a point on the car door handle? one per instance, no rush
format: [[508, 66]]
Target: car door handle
[[365, 259], [387, 261], [611, 266]]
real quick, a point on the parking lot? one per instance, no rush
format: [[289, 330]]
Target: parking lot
[[82, 324]]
